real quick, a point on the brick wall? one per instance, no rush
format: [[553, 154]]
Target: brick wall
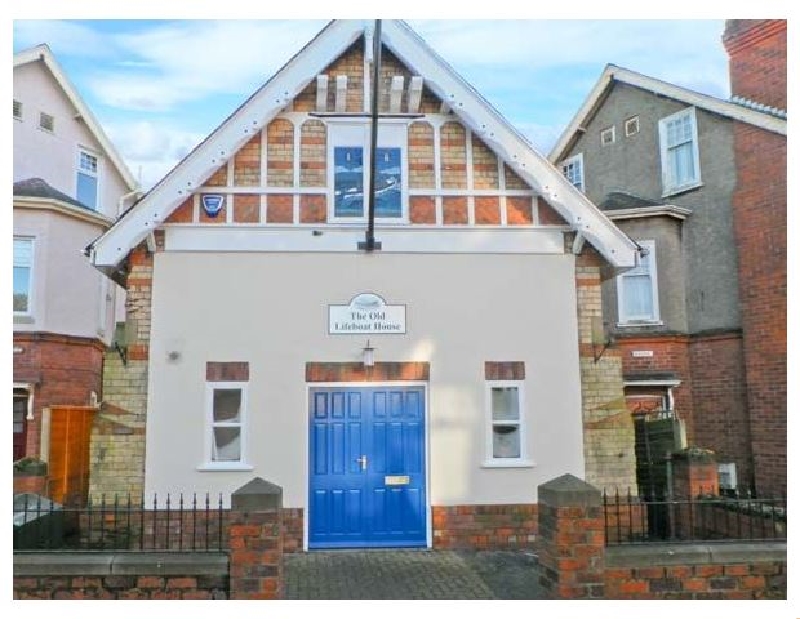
[[670, 354], [106, 576], [64, 370], [118, 437], [694, 572], [719, 400], [757, 50], [608, 435], [485, 526]]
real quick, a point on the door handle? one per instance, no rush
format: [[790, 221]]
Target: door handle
[[363, 462]]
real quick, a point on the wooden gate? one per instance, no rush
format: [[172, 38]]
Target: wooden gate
[[68, 464]]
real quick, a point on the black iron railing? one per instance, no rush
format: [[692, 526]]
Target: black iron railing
[[631, 519], [185, 523]]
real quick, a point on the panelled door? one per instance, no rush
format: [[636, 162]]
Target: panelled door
[[367, 467], [20, 425]]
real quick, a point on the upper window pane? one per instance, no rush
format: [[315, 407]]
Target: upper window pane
[[227, 405], [505, 403], [348, 181]]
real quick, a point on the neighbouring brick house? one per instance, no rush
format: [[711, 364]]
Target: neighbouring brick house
[[700, 323], [68, 183], [414, 395]]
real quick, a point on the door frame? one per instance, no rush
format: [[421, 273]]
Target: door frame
[[368, 385]]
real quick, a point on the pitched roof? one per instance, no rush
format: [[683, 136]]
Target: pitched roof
[[38, 188], [736, 110], [43, 53], [467, 104]]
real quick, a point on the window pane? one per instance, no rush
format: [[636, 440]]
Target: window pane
[[227, 445], [505, 403], [638, 296], [505, 441], [87, 190], [88, 162], [227, 405], [388, 183], [23, 248], [348, 181], [22, 282]]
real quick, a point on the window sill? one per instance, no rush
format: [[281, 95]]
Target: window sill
[[224, 466], [508, 464], [679, 190], [23, 319], [640, 323]]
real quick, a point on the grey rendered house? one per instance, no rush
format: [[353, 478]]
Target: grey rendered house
[[659, 161]]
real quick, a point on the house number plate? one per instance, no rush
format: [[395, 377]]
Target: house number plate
[[397, 480]]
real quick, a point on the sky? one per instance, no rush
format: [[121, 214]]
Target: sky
[[158, 87]]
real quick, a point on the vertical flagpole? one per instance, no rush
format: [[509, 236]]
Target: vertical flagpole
[[369, 242]]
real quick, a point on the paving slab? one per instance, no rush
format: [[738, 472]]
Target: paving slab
[[411, 575]]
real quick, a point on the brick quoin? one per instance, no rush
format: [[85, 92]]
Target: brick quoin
[[757, 50]]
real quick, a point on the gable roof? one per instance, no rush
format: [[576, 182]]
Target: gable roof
[[744, 111], [43, 53], [465, 102]]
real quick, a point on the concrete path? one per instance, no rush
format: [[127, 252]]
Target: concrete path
[[411, 575]]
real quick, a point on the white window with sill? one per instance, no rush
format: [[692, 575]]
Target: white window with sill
[[349, 174], [506, 424], [226, 426], [573, 170], [23, 276], [680, 157], [637, 289]]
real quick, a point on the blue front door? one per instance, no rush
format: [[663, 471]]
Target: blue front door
[[367, 467]]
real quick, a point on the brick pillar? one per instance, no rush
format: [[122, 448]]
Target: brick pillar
[[572, 539], [256, 539], [694, 472]]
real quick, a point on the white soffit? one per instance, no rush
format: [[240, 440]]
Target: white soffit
[[111, 248], [481, 118], [485, 122]]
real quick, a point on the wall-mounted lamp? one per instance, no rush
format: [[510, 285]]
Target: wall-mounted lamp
[[369, 356], [599, 338]]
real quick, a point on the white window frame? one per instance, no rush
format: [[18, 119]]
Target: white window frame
[[523, 461], [18, 103], [635, 121], [29, 312], [570, 161], [95, 175], [606, 131], [393, 133], [668, 188], [623, 318], [52, 118], [209, 464]]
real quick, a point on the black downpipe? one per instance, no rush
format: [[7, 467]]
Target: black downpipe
[[369, 243]]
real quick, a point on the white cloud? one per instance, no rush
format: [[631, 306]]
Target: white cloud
[[151, 149], [63, 37], [181, 62]]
